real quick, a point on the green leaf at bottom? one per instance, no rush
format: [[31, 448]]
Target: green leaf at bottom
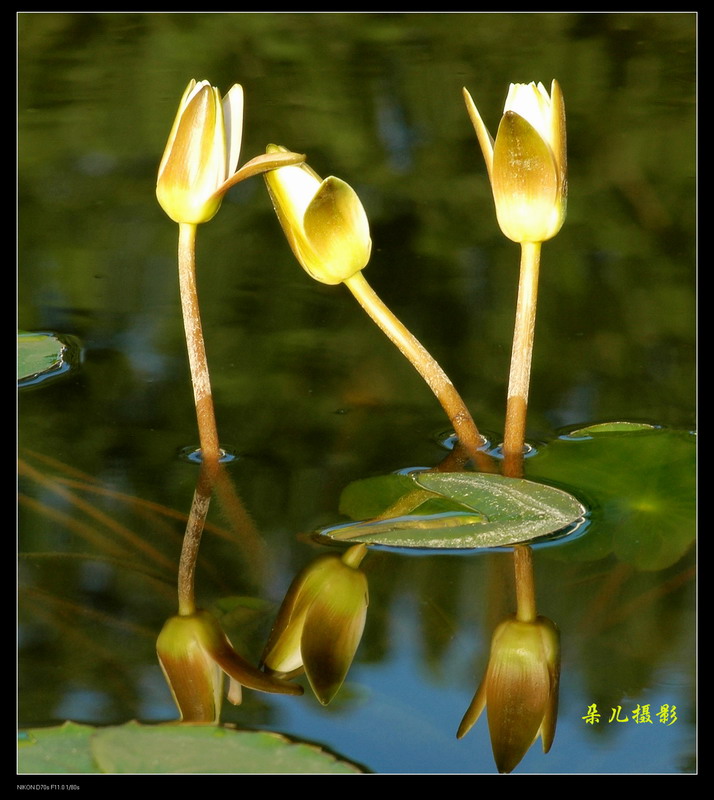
[[170, 749]]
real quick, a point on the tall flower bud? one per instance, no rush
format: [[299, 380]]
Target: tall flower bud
[[527, 162]]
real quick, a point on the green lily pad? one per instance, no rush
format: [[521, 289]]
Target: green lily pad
[[399, 494], [640, 486], [170, 749], [612, 427], [457, 510], [63, 750], [44, 356]]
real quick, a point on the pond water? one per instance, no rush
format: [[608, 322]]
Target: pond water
[[311, 397]]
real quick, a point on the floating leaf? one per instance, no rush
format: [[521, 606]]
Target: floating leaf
[[640, 486], [457, 510], [170, 749], [43, 356], [63, 750], [612, 427], [370, 497]]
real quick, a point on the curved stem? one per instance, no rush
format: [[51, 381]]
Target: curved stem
[[437, 380], [203, 398], [354, 556], [191, 541], [521, 357]]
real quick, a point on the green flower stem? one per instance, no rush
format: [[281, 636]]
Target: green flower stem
[[521, 357], [203, 398], [525, 583], [353, 557], [455, 408], [191, 542]]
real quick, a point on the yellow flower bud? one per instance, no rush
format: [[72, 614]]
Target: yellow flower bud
[[320, 623], [323, 220], [201, 153], [527, 163], [194, 654], [519, 691]]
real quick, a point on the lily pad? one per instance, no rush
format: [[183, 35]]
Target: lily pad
[[63, 750], [457, 510], [170, 749], [640, 485], [612, 427], [44, 356]]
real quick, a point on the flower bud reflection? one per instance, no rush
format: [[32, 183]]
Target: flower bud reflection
[[194, 654], [519, 690], [320, 623]]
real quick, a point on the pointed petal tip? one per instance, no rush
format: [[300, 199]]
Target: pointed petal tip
[[462, 731], [325, 696], [485, 139]]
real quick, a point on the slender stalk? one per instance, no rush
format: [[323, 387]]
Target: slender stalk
[[354, 556], [525, 583], [437, 380], [521, 357], [203, 398], [191, 542], [516, 411]]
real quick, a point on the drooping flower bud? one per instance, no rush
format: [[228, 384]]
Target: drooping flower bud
[[519, 690], [323, 220], [194, 654], [320, 623]]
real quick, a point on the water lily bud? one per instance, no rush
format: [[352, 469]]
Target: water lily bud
[[519, 691], [201, 153], [194, 654], [320, 623], [323, 220], [527, 162]]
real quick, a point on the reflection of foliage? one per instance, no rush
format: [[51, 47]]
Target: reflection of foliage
[[97, 578], [69, 498], [622, 625], [631, 629], [88, 588]]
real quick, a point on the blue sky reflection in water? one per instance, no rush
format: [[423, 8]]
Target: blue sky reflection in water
[[367, 728], [310, 395]]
